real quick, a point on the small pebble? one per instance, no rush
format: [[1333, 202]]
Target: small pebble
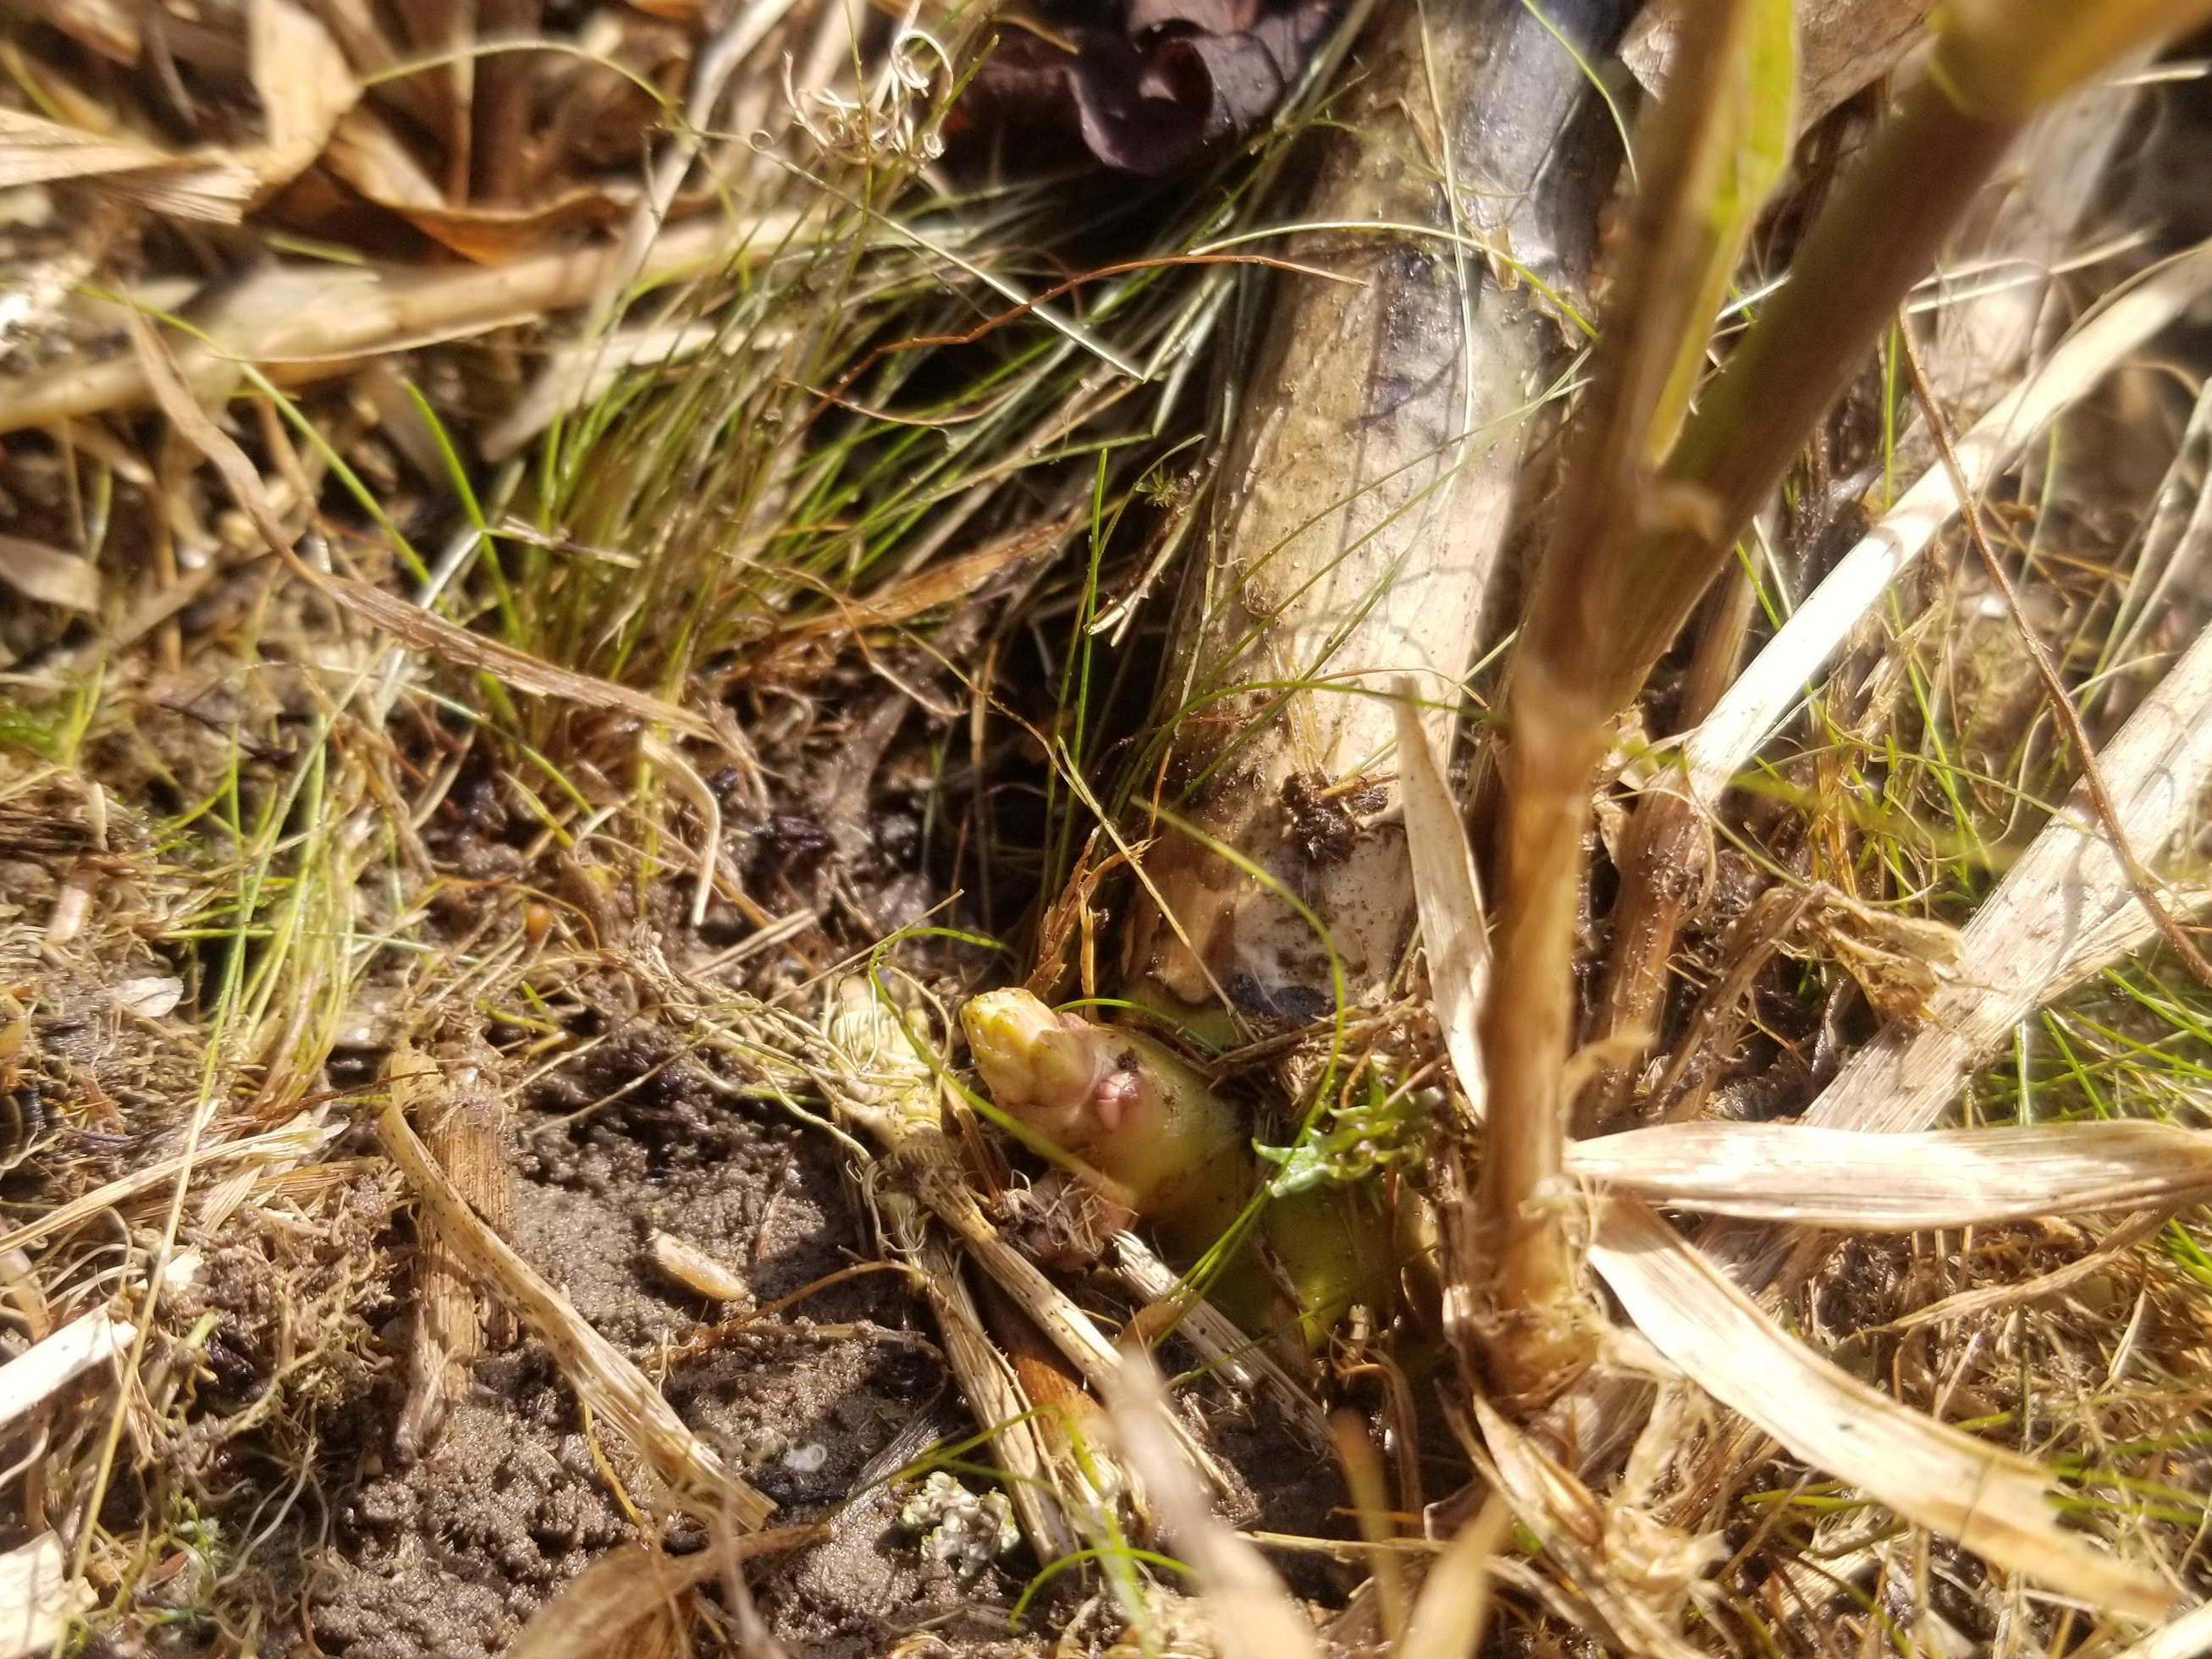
[[690, 1268]]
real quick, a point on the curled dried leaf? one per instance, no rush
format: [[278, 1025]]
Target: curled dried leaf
[[1148, 94]]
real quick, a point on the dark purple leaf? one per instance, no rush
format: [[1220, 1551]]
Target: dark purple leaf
[[1146, 96]]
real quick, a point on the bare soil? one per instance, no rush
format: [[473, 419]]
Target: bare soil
[[818, 1404]]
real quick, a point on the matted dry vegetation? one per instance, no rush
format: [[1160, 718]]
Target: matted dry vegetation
[[577, 580]]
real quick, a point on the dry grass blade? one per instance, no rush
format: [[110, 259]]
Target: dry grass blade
[[601, 1376], [420, 630], [38, 1600], [598, 1611], [1990, 1501], [1846, 1178], [300, 1139], [1453, 1608], [1449, 899], [578, 374], [1762, 696], [412, 626], [1252, 1615], [304, 323], [2048, 921], [210, 187]]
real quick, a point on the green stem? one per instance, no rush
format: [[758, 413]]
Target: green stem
[[1881, 235]]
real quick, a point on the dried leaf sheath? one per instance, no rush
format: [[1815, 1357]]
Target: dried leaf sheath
[[457, 1109], [987, 1382]]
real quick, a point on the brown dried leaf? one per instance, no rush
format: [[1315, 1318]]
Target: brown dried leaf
[[1900, 962], [304, 85], [1842, 46], [1070, 920], [48, 574], [939, 583], [368, 154], [298, 1140]]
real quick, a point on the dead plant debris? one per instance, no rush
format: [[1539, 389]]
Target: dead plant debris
[[812, 822]]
